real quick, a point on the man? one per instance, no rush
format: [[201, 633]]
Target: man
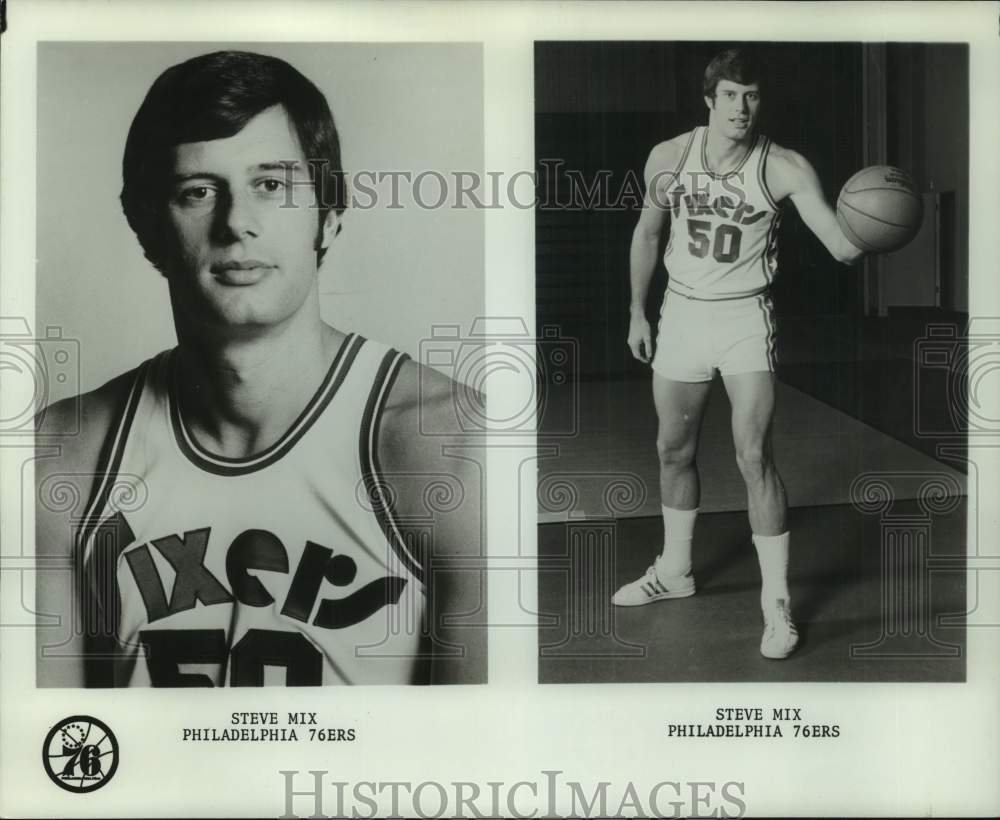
[[720, 186], [255, 498]]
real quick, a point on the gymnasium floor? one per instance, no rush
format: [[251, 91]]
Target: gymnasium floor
[[878, 592]]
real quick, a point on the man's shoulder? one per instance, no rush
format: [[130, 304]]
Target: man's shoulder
[[665, 155], [665, 161], [77, 426], [787, 161], [69, 437], [426, 415], [421, 456], [787, 171], [423, 403]]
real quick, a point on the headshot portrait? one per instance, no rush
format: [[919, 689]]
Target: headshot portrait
[[752, 247], [250, 476]]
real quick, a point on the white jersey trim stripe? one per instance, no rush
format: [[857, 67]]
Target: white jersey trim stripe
[[370, 462], [332, 381], [109, 470], [739, 165], [762, 173], [772, 354], [771, 250]]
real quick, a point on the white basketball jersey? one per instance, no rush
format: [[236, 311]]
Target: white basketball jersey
[[285, 567], [723, 228]]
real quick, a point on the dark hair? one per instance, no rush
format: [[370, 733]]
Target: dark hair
[[735, 65], [213, 97]]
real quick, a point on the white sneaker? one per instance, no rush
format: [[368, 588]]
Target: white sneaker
[[650, 588], [780, 635]]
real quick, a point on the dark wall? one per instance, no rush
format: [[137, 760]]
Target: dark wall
[[927, 132], [600, 108]]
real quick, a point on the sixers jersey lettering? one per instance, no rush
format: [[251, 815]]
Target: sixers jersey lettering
[[723, 228], [282, 568]]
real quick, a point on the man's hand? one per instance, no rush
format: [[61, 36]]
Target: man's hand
[[640, 339]]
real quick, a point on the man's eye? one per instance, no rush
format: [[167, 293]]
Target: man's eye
[[197, 193], [271, 185]]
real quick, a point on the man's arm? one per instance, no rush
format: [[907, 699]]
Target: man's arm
[[790, 174], [644, 248], [68, 439], [414, 464]]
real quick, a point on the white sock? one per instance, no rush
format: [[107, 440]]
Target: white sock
[[772, 553], [678, 533]]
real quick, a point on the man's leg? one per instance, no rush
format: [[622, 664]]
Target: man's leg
[[752, 399], [679, 409]]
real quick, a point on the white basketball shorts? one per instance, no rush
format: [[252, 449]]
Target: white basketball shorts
[[697, 337]]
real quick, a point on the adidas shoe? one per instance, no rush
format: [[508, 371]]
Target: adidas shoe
[[780, 635], [650, 588]]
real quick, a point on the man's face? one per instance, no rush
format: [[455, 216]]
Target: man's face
[[734, 111], [244, 226]]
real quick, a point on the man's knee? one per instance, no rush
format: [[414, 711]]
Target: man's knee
[[676, 452], [753, 461]]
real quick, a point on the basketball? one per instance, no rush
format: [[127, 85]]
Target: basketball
[[879, 209]]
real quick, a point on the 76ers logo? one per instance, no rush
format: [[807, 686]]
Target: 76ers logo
[[80, 754]]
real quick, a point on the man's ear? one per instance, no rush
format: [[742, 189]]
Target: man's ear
[[710, 102], [329, 229]]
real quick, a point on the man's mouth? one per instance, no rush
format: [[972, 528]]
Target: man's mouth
[[241, 272]]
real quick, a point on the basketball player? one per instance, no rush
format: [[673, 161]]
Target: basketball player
[[250, 495], [720, 187]]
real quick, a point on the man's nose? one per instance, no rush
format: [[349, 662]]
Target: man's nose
[[241, 215]]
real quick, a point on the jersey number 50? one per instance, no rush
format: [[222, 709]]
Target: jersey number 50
[[701, 241], [167, 649]]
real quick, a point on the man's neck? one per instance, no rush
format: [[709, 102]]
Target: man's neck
[[724, 154], [240, 396]]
